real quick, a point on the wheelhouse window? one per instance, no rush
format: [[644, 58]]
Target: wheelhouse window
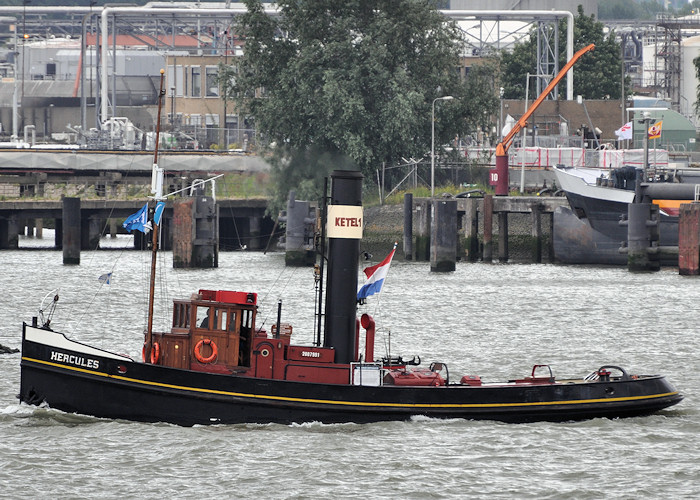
[[215, 318], [181, 315]]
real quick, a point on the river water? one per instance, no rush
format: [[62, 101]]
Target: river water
[[492, 320]]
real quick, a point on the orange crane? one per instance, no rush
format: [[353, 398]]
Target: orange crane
[[504, 145]]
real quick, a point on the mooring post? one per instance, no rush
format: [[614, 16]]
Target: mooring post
[[71, 230], [206, 247], [488, 228], [298, 240], [422, 244], [195, 220], [689, 239], [9, 233], [642, 220], [3, 234], [408, 226], [58, 235], [550, 240], [471, 229], [536, 214], [443, 236], [503, 236], [94, 232], [254, 225]]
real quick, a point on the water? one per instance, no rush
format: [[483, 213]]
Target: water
[[492, 320]]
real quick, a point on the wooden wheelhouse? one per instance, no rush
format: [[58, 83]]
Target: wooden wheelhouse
[[213, 331]]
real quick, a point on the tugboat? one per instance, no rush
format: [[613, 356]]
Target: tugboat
[[215, 366]]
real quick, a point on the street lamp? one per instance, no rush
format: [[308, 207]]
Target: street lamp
[[501, 93], [646, 120], [432, 145]]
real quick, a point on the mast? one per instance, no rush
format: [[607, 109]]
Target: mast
[[157, 190]]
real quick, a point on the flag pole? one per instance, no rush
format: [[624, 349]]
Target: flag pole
[[157, 189]]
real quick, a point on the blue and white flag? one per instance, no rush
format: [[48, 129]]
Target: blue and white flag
[[105, 278], [158, 212], [139, 221], [375, 277]]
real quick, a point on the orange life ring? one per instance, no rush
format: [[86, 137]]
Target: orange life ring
[[155, 353], [143, 352], [198, 351]]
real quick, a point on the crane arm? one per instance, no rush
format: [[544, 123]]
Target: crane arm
[[504, 145]]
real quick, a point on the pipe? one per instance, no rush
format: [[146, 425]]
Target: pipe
[[370, 328]]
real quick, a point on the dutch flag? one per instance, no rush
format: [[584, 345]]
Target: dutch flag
[[375, 277]]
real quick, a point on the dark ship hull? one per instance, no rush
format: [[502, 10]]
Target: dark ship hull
[[597, 235], [88, 381]]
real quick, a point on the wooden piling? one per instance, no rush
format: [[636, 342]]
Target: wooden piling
[[9, 233], [94, 232], [422, 244], [471, 229], [71, 230], [183, 232], [298, 250], [536, 218], [408, 226], [254, 225], [640, 219], [488, 228], [443, 236], [503, 236], [689, 239]]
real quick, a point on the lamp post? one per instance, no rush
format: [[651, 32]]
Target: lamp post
[[646, 120], [501, 93], [432, 144]]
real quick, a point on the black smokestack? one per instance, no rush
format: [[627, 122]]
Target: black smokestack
[[344, 234]]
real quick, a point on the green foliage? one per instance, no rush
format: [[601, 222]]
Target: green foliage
[[353, 80], [626, 9], [596, 74]]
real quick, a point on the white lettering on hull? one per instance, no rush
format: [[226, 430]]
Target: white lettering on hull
[[72, 359]]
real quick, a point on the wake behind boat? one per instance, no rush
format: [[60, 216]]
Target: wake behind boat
[[216, 365]]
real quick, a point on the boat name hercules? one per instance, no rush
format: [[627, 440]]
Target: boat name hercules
[[74, 360]]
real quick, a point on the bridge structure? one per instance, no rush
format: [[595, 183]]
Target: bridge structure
[[27, 171]]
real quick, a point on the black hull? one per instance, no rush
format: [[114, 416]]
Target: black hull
[[604, 217], [82, 380], [576, 242]]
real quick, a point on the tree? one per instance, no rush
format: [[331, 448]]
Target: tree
[[597, 74], [353, 79]]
